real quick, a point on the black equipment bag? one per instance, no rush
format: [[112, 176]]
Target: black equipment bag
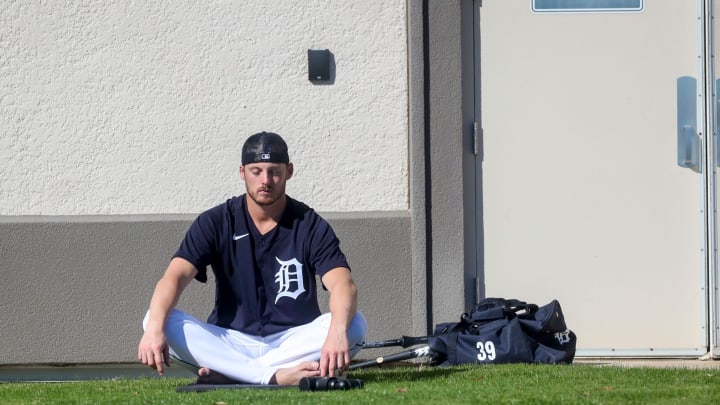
[[499, 330]]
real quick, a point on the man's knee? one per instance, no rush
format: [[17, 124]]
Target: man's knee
[[174, 314], [357, 332]]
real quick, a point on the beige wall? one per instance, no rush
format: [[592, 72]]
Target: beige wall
[[116, 108]]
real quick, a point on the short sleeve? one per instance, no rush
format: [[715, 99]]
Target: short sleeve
[[200, 244], [325, 249]]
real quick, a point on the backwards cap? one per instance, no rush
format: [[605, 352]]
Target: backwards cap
[[265, 147]]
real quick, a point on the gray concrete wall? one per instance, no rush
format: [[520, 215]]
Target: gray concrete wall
[[76, 288], [448, 143], [417, 171]]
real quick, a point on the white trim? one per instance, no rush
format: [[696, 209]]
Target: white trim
[[535, 9], [659, 353], [707, 121]]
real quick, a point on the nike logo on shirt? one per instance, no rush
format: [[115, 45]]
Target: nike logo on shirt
[[238, 237]]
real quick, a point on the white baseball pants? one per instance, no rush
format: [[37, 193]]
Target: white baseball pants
[[248, 358]]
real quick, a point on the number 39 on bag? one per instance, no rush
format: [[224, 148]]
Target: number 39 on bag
[[486, 351]]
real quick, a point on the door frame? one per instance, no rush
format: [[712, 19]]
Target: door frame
[[707, 119], [707, 107]]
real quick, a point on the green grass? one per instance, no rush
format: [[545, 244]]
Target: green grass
[[516, 383]]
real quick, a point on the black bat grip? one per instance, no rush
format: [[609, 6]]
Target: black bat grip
[[383, 343], [405, 341], [408, 341]]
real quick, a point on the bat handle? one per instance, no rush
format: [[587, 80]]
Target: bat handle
[[404, 355], [404, 341], [408, 341], [383, 343]]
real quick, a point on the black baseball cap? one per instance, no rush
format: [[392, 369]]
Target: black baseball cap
[[265, 147]]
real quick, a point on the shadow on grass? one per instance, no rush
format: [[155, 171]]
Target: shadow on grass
[[403, 373]]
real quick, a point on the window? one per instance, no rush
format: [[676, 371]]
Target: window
[[542, 6]]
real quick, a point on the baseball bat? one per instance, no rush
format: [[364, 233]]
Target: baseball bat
[[423, 351], [405, 341]]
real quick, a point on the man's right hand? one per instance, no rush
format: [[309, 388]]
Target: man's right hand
[[154, 351]]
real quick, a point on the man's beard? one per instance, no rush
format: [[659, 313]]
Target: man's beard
[[267, 199]]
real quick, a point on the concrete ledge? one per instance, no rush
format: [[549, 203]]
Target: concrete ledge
[[75, 289], [653, 363], [44, 373], [60, 373]]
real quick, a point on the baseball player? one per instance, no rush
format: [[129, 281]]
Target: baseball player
[[265, 250]]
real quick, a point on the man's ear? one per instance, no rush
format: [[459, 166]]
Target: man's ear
[[242, 172], [290, 169]]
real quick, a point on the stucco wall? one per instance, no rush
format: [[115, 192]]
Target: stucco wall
[[142, 107]]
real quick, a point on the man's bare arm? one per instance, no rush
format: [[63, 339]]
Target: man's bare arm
[[335, 352], [153, 349]]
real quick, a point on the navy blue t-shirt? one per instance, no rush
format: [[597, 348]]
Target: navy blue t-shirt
[[264, 283]]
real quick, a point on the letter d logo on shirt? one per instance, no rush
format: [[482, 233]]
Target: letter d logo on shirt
[[290, 274]]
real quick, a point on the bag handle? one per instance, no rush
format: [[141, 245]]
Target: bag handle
[[490, 309], [511, 305]]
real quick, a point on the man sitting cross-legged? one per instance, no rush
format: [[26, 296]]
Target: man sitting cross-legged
[[264, 249]]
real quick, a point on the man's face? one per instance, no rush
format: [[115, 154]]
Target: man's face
[[265, 182]]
